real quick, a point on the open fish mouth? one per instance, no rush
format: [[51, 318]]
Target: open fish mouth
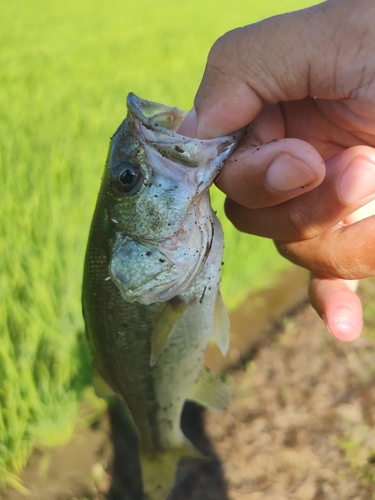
[[154, 115], [166, 231], [156, 125]]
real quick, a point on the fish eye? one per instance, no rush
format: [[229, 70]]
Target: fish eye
[[126, 178]]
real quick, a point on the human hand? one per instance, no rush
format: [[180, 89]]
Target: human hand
[[306, 79]]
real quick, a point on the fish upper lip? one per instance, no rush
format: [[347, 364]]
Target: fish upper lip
[[134, 104]]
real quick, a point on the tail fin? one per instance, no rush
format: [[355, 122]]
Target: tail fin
[[159, 470]]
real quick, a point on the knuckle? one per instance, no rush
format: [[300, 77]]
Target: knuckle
[[217, 54], [335, 265], [320, 257], [225, 52], [347, 267], [303, 222], [283, 248]]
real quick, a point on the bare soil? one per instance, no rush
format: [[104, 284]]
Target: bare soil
[[300, 426]]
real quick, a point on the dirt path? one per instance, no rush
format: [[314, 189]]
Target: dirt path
[[301, 427]]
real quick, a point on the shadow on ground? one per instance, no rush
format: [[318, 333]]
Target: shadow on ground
[[195, 479]]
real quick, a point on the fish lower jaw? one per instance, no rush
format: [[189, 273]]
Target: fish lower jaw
[[144, 294], [147, 273]]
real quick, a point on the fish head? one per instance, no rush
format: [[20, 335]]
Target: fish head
[[155, 190]]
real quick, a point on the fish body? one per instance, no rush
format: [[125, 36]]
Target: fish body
[[151, 295]]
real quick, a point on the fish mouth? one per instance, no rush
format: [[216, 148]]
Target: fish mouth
[[156, 126], [154, 115], [155, 265]]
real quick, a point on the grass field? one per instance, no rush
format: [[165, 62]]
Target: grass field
[[66, 68]]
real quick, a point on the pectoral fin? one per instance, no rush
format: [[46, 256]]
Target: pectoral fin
[[221, 325], [210, 391], [165, 326]]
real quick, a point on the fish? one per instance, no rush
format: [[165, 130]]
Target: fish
[[151, 284]]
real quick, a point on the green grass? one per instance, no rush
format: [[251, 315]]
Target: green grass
[[66, 68]]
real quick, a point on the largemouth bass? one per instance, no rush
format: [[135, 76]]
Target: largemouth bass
[[151, 297]]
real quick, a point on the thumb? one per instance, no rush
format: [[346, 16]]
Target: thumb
[[275, 60]]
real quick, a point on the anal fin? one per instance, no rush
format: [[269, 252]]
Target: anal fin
[[210, 391]]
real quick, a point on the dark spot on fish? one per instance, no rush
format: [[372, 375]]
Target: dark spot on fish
[[179, 149], [202, 296], [155, 195], [257, 149], [222, 263], [159, 185], [161, 260], [148, 254], [168, 422]]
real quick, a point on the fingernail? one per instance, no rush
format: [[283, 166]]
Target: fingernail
[[344, 327], [357, 183], [189, 126], [287, 173]]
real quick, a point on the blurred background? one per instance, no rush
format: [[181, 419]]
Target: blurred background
[[66, 69]]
